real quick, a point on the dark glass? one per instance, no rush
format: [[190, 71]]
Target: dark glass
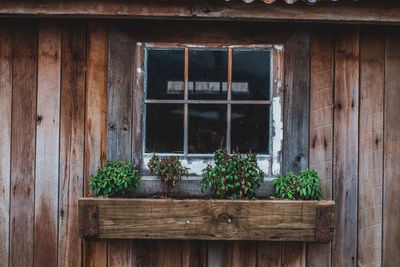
[[251, 71], [164, 128], [165, 73], [250, 128], [208, 74], [207, 128]]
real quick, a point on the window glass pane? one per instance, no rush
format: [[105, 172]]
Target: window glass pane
[[207, 128], [164, 128], [250, 128], [165, 73], [208, 72], [251, 75]]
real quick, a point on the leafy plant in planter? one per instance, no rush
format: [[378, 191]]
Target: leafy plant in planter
[[114, 179], [234, 176], [305, 186], [169, 170]]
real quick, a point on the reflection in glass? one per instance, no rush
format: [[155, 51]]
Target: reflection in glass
[[208, 71], [165, 73], [250, 128], [207, 128], [251, 75], [164, 128]]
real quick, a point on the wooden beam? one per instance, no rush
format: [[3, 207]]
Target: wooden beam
[[278, 220], [367, 11]]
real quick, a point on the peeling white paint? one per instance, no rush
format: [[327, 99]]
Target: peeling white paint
[[279, 48], [277, 135]]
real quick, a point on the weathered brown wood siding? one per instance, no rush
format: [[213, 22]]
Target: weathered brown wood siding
[[66, 105]]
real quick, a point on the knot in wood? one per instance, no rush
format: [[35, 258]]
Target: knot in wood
[[224, 218]]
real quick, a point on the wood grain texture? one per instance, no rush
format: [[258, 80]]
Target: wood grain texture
[[244, 253], [293, 254], [269, 254], [296, 119], [194, 253], [119, 121], [6, 66], [47, 144], [23, 144], [321, 128], [95, 253], [372, 73], [382, 11], [169, 253], [391, 196], [72, 119], [204, 219], [345, 151], [219, 253], [119, 117]]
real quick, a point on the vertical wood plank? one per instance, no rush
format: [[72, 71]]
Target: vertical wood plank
[[6, 64], [119, 122], [194, 253], [219, 253], [244, 253], [345, 151], [296, 121], [293, 254], [321, 128], [72, 120], [391, 196], [269, 254], [47, 144], [372, 68], [169, 253], [23, 144], [95, 253]]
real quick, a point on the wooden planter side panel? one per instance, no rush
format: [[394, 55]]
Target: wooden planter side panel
[[205, 220]]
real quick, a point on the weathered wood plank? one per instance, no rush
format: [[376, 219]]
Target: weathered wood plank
[[95, 253], [219, 253], [372, 73], [194, 253], [293, 254], [72, 124], [6, 66], [391, 195], [269, 254], [321, 128], [296, 118], [169, 253], [244, 253], [47, 143], [347, 11], [23, 144], [205, 219], [119, 122], [345, 150]]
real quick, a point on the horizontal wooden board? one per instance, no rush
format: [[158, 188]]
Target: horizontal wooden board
[[369, 11], [276, 220]]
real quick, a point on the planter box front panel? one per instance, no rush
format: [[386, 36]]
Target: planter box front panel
[[278, 220]]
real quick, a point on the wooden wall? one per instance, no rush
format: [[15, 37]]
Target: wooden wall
[[65, 107]]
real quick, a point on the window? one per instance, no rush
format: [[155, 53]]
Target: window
[[201, 98]]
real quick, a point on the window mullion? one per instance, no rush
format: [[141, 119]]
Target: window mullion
[[229, 106], [186, 105]]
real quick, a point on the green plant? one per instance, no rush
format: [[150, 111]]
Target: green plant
[[234, 176], [115, 178], [169, 170], [304, 186]]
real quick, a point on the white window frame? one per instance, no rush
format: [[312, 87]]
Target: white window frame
[[271, 164]]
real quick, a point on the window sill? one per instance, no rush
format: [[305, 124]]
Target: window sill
[[190, 187], [271, 220]]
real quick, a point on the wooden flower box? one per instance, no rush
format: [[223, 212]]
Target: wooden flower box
[[273, 220]]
